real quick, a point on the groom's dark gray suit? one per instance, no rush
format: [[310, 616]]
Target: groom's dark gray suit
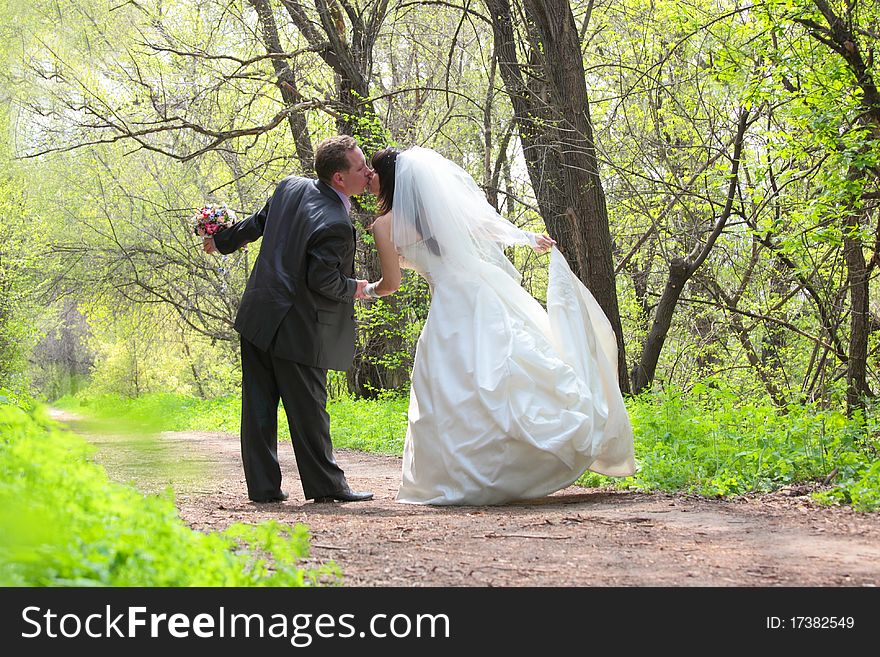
[[296, 321]]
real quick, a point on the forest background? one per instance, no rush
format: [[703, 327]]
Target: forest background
[[709, 168]]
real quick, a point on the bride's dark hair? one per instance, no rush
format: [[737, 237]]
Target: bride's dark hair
[[384, 163]]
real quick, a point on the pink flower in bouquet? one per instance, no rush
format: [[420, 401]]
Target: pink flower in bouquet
[[211, 219]]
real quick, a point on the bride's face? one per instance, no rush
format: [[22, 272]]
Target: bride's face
[[374, 184]]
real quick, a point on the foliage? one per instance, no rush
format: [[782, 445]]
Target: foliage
[[397, 321], [155, 412], [710, 440], [377, 426], [146, 349], [768, 314], [713, 442], [65, 524], [857, 473], [18, 257], [370, 425]]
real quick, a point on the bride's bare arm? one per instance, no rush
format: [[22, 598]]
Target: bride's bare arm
[[388, 258]]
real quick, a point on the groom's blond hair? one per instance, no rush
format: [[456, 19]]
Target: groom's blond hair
[[332, 156]]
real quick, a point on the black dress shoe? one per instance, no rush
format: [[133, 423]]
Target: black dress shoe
[[277, 497], [345, 495]]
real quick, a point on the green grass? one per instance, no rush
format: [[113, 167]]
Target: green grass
[[63, 523], [710, 441], [370, 426]]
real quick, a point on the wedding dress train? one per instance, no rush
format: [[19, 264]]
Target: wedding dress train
[[509, 401]]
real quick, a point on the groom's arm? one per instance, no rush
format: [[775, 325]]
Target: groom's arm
[[324, 263], [249, 230]]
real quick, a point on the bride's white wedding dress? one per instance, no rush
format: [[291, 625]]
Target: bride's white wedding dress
[[508, 401]]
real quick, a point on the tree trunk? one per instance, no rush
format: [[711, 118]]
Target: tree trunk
[[287, 85], [644, 370], [840, 36], [344, 36], [6, 345], [383, 335], [197, 378], [552, 113], [681, 269], [857, 269]]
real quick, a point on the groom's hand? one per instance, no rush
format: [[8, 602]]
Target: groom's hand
[[209, 246], [359, 292]]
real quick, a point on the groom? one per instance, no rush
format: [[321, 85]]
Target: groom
[[296, 320]]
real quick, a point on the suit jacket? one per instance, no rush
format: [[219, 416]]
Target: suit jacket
[[299, 299]]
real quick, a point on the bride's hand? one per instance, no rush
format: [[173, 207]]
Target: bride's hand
[[543, 243]]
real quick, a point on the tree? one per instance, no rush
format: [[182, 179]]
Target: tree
[[681, 269], [548, 93], [843, 34]]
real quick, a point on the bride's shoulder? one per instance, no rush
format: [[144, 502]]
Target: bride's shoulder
[[381, 224], [383, 220]]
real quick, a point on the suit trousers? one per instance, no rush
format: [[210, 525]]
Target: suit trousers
[[302, 389]]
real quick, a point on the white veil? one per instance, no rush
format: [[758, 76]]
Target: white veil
[[438, 203]]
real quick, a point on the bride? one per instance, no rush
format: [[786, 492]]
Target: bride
[[509, 401]]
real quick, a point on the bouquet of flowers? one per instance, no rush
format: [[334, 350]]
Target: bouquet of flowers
[[211, 219]]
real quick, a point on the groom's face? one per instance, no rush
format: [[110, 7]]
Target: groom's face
[[356, 179]]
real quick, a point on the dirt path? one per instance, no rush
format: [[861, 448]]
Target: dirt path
[[577, 537]]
